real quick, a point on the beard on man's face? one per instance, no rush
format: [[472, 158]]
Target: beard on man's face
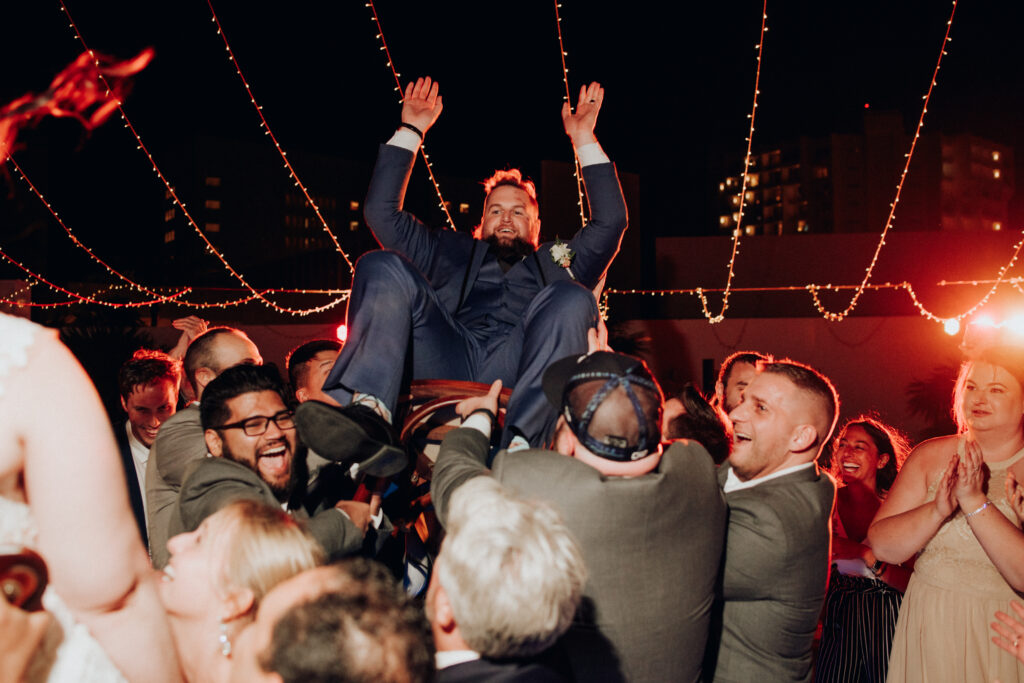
[[282, 490], [515, 250]]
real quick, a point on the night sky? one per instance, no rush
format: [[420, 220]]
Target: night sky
[[678, 88]]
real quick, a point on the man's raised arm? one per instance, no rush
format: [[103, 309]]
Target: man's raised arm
[[596, 245], [393, 227]]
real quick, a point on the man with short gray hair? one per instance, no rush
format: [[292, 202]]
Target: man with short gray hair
[[505, 586]]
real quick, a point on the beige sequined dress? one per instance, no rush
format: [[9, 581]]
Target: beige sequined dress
[[943, 630]]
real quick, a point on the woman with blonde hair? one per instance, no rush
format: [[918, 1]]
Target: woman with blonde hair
[[948, 505], [217, 575]]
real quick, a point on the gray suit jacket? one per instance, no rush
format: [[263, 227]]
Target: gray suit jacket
[[773, 578], [652, 545], [178, 444], [213, 483]]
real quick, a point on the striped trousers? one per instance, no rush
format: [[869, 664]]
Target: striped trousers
[[857, 630]]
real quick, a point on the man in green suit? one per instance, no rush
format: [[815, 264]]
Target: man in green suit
[[775, 568]]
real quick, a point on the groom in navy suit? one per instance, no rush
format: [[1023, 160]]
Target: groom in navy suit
[[492, 305]]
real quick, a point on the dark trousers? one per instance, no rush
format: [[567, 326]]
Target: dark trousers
[[396, 321], [857, 630]]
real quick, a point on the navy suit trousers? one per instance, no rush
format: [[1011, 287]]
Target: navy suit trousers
[[398, 329]]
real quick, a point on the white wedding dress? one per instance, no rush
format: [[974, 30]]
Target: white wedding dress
[[68, 652]]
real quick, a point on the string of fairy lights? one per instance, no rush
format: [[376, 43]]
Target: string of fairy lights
[[292, 173], [176, 201], [836, 317], [177, 296], [442, 204], [577, 171], [713, 319]]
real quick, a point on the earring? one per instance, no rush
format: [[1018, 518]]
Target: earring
[[225, 642]]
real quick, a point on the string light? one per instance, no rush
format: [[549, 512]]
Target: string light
[[131, 283], [836, 317], [401, 98], [814, 289], [577, 171], [292, 173], [713, 319], [210, 248]]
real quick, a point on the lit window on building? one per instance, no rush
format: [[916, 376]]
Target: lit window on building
[[212, 181], [735, 200], [353, 226], [749, 196], [212, 203], [755, 180], [353, 205], [728, 182], [997, 226], [213, 227], [995, 173], [995, 156], [448, 205], [821, 171], [721, 187], [168, 194], [750, 229], [736, 217], [168, 215], [723, 221], [168, 237], [463, 207], [801, 225]]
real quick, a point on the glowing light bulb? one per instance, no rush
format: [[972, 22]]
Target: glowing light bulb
[[342, 333], [951, 326]]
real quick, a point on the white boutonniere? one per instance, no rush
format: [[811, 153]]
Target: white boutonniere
[[562, 256]]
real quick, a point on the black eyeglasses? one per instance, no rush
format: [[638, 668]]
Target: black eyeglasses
[[257, 424]]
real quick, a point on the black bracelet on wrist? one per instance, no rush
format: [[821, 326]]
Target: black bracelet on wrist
[[488, 411], [411, 127]]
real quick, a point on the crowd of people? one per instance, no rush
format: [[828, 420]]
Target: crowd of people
[[592, 529]]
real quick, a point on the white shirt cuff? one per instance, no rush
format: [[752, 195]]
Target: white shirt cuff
[[406, 139], [590, 154], [480, 422], [377, 518]]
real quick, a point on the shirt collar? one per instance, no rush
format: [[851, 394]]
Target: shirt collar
[[452, 657], [733, 483]]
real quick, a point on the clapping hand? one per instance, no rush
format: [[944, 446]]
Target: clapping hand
[[1015, 495], [1010, 630], [970, 478], [945, 493], [421, 105], [579, 125]]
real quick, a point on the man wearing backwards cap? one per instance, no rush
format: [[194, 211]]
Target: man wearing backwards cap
[[650, 521]]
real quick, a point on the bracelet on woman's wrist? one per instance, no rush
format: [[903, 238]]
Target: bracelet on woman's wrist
[[968, 515], [411, 127]]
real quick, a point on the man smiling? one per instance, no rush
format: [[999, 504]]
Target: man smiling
[[250, 434], [494, 305], [777, 544]]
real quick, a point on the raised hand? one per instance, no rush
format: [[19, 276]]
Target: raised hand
[[488, 401], [421, 105], [191, 327], [579, 125], [597, 338]]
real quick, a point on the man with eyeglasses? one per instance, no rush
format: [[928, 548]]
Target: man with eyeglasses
[[250, 434]]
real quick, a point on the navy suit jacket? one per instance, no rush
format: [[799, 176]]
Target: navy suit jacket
[[491, 671], [451, 260]]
